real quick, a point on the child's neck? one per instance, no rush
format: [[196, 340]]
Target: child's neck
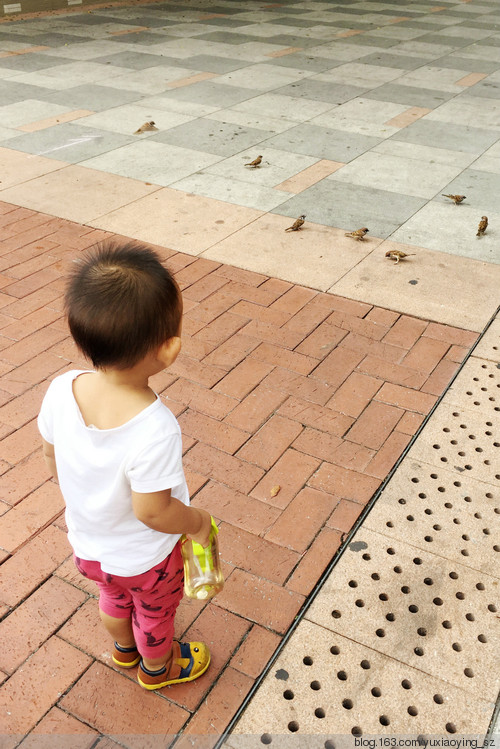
[[125, 379]]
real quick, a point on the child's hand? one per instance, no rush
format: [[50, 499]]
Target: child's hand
[[202, 536]]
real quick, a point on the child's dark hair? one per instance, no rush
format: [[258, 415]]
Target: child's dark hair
[[121, 303]]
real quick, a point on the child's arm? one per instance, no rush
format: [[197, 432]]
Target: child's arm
[[164, 513], [49, 455]]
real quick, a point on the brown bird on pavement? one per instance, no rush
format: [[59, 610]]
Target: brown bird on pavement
[[255, 163], [359, 234], [398, 255], [297, 223], [456, 198], [483, 224], [144, 128]]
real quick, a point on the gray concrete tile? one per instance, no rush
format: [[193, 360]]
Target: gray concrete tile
[[27, 111], [261, 77], [54, 39], [413, 97], [339, 51], [482, 189], [213, 64], [388, 60], [447, 135], [416, 47], [149, 81], [484, 113], [334, 93], [437, 226], [11, 91], [93, 97], [487, 89], [146, 160], [433, 77], [277, 166], [68, 141], [270, 125], [297, 23], [227, 38], [33, 61], [223, 139], [304, 62], [455, 41], [490, 160], [290, 40], [427, 154], [232, 191], [129, 117], [368, 40], [169, 104], [351, 206], [212, 94], [87, 50], [323, 142], [137, 60], [145, 38], [470, 64], [283, 107], [363, 116], [360, 75], [398, 174]]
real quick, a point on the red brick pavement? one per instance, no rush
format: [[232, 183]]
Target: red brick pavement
[[277, 385]]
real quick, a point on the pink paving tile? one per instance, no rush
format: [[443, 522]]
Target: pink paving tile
[[302, 519], [471, 79], [408, 116], [310, 176], [286, 478], [189, 80], [77, 114], [282, 52]]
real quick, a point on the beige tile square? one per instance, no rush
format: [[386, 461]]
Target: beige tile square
[[463, 441], [18, 167], [477, 387], [328, 684], [444, 291], [184, 222], [489, 345], [76, 193], [421, 497], [314, 256], [379, 596]]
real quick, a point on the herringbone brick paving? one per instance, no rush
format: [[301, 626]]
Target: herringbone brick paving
[[277, 385]]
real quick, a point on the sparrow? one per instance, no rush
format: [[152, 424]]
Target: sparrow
[[255, 163], [359, 234], [482, 226], [456, 198], [144, 128], [297, 223], [398, 255]]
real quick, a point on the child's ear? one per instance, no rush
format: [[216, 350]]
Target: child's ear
[[169, 351]]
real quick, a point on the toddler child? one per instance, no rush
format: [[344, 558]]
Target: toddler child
[[116, 451]]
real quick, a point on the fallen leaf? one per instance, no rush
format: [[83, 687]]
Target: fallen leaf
[[275, 490]]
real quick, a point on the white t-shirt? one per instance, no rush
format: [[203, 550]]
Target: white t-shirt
[[98, 468]]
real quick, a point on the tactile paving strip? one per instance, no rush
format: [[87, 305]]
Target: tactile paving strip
[[462, 441], [433, 509], [477, 388], [327, 684], [431, 613], [489, 345], [415, 595]]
